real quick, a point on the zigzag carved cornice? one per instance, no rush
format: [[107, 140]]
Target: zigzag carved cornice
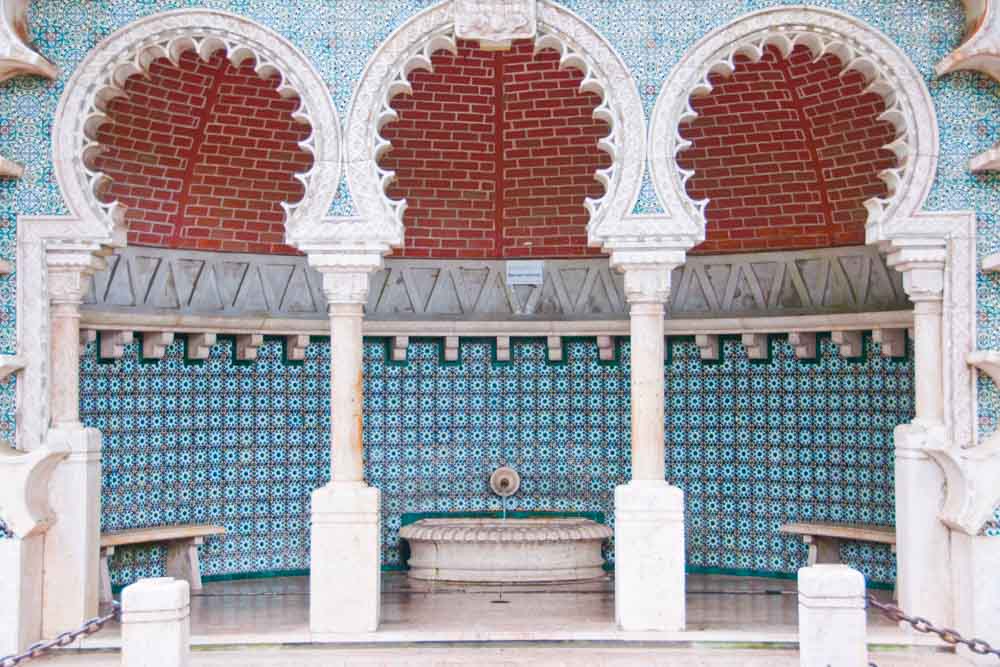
[[181, 282], [979, 52]]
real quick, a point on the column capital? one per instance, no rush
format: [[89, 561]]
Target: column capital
[[70, 269], [919, 250], [345, 275]]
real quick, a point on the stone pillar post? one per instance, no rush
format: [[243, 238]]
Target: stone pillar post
[[832, 617], [156, 623], [649, 512], [977, 592], [72, 544], [923, 571], [345, 569]]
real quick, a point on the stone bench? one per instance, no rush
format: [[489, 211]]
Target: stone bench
[[182, 550]]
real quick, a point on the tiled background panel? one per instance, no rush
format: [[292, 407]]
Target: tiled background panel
[[753, 444]]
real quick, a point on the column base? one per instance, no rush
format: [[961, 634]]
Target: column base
[[345, 583], [649, 557], [21, 590], [73, 543]]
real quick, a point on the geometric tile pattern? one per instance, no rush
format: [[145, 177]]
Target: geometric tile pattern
[[753, 444]]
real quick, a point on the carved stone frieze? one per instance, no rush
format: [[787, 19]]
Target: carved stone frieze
[[181, 282]]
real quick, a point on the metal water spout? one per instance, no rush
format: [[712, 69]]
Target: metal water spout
[[505, 482]]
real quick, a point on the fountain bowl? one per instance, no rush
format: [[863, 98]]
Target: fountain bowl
[[523, 550]]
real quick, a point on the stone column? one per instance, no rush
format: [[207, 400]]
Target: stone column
[[649, 512], [72, 544], [977, 592], [345, 569], [923, 570]]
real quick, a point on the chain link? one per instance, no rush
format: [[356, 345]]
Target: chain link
[[921, 624], [39, 649]]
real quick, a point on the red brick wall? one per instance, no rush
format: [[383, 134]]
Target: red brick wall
[[203, 154], [495, 153], [787, 151]]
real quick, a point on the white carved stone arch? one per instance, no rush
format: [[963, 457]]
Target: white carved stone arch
[[886, 69], [130, 51], [410, 47]]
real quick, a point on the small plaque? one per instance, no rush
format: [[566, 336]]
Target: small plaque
[[530, 272]]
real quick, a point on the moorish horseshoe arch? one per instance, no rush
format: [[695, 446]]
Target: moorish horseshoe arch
[[887, 71], [410, 47], [102, 74]]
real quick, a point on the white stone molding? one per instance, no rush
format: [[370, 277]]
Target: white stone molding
[[991, 263], [756, 345], [936, 253], [10, 169], [888, 71], [972, 474], [850, 344], [113, 343], [68, 247], [452, 350], [605, 348], [295, 347], [410, 47], [804, 344], [709, 347], [248, 345], [155, 344], [495, 23], [24, 495], [891, 341], [199, 346], [400, 344], [555, 347], [503, 348], [980, 52], [102, 75], [295, 329], [17, 58]]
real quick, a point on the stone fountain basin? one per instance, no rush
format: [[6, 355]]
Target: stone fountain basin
[[506, 550]]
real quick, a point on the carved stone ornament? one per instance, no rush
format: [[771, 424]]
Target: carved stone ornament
[[972, 474], [980, 51], [495, 23], [860, 47], [411, 47], [17, 58], [24, 494], [102, 75]]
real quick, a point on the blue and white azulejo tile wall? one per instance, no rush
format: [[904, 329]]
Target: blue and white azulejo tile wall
[[753, 444]]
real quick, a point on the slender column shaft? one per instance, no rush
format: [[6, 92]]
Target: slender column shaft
[[64, 379], [929, 396], [346, 393], [647, 392]]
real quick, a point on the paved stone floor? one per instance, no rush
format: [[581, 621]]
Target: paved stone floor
[[482, 656], [265, 622]]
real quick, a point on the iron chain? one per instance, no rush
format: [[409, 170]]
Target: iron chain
[[921, 624], [39, 649]]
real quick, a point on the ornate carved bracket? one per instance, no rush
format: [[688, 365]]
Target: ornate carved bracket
[[24, 494], [495, 23], [973, 474], [979, 52]]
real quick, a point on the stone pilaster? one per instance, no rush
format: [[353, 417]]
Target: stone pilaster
[[924, 578], [72, 544]]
